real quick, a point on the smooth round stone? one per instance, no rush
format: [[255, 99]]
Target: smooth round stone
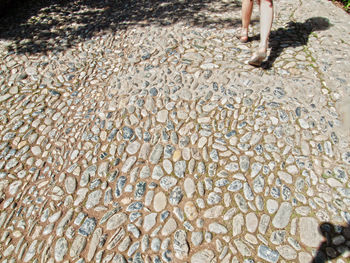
[[201, 168], [153, 92], [127, 133], [258, 184], [256, 167], [217, 228], [180, 168], [190, 187], [156, 154], [93, 199], [133, 230], [125, 244], [162, 116], [9, 250], [31, 251], [55, 217], [272, 206], [31, 70], [213, 198], [214, 155], [282, 216], [203, 256], [244, 163], [14, 186], [237, 224], [346, 157], [287, 252], [145, 243], [251, 222], [221, 182], [235, 186], [176, 155], [145, 172], [304, 257], [168, 166], [309, 234], [159, 202], [116, 220], [167, 182], [149, 221], [180, 244], [155, 244], [186, 153], [202, 141], [149, 197], [169, 227], [278, 237], [135, 206], [190, 210], [268, 254], [214, 212], [70, 184], [61, 248], [176, 196], [197, 238], [241, 202], [77, 247], [133, 147], [36, 150], [128, 164], [157, 173]]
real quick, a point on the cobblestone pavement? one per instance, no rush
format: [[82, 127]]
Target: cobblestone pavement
[[136, 132]]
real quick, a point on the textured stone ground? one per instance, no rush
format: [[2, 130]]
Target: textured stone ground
[[136, 132]]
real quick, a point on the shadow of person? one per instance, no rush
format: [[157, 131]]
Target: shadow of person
[[296, 34], [337, 242], [48, 25]]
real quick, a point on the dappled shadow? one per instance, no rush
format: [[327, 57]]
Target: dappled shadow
[[337, 242], [39, 26], [294, 35]]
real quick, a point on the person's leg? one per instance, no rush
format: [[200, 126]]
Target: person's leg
[[266, 17], [247, 8]]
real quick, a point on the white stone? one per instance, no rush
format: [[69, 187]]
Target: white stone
[[159, 202], [281, 219], [214, 212], [169, 227], [272, 206], [116, 220], [149, 221], [203, 256], [189, 187], [251, 222], [162, 116], [133, 147], [309, 233]]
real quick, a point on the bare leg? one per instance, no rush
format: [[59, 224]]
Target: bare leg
[[266, 17], [247, 8]]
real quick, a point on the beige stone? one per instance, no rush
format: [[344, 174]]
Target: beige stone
[[190, 211], [309, 233], [159, 202]]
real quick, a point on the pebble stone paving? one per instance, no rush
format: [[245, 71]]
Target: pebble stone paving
[[158, 143]]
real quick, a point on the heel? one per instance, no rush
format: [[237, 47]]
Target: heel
[[242, 38], [257, 59]]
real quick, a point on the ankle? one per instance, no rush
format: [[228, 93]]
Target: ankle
[[244, 31], [262, 49]]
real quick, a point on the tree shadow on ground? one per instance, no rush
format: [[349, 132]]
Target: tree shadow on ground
[[39, 25], [337, 242], [296, 34]]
